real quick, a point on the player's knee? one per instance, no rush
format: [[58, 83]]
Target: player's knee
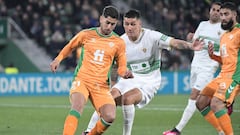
[[194, 94], [202, 102], [199, 105], [109, 116], [217, 104], [127, 100]]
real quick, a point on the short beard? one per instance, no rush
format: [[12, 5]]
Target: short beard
[[227, 26]]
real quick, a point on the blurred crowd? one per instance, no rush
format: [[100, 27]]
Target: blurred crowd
[[52, 23]]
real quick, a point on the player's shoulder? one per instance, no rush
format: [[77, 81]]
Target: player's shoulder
[[124, 36], [204, 23], [87, 31], [148, 31], [237, 26]]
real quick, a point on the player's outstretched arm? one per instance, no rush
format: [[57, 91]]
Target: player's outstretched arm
[[197, 44]]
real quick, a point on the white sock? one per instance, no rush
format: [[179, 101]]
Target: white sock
[[128, 116], [187, 114], [92, 121]]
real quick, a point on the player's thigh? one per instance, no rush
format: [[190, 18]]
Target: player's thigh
[[210, 88], [148, 92], [79, 87], [124, 85], [200, 78], [101, 96]]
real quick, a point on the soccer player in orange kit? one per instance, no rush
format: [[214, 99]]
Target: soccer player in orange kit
[[100, 47], [224, 88]]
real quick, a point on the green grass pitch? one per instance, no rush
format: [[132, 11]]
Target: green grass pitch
[[45, 116]]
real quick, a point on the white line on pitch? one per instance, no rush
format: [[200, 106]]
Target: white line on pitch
[[150, 107]]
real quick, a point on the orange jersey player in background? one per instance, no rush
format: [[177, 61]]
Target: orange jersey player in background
[[100, 47], [221, 92]]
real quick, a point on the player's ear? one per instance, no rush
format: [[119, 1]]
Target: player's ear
[[140, 22], [234, 13], [100, 19]]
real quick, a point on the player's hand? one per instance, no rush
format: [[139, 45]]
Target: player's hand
[[210, 49], [128, 74], [190, 36], [54, 65], [197, 44]]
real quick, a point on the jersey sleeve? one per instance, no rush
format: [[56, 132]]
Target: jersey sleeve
[[196, 33], [162, 40], [75, 42], [121, 58]]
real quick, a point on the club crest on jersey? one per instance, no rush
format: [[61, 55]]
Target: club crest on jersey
[[111, 44], [219, 33], [144, 50], [231, 37], [93, 40]]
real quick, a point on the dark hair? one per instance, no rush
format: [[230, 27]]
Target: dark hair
[[132, 13], [110, 11], [216, 3], [229, 5]]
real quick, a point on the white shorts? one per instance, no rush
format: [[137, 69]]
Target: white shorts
[[148, 87], [200, 77]]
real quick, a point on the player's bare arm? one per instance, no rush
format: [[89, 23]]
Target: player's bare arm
[[63, 54], [197, 44]]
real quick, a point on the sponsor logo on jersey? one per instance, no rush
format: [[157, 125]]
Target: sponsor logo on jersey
[[164, 37], [93, 40], [230, 89]]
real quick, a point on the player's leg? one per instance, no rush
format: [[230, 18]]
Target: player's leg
[[116, 94], [129, 99], [203, 104], [107, 116], [223, 97], [78, 100], [105, 105], [187, 114], [92, 122], [222, 116], [199, 79]]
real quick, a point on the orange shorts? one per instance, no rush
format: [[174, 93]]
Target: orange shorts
[[98, 94], [225, 89]]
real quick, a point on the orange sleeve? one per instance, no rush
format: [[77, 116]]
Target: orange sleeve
[[122, 59], [76, 41]]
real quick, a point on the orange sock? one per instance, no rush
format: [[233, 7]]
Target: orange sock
[[211, 118], [225, 122], [71, 123], [100, 128]]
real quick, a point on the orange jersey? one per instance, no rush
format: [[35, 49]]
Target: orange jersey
[[97, 55], [230, 54]]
